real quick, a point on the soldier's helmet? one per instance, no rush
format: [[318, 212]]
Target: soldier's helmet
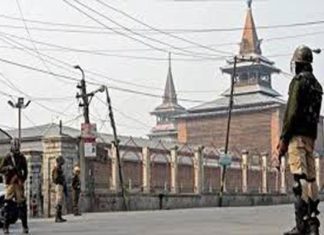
[[76, 170], [303, 54], [15, 145], [60, 160]]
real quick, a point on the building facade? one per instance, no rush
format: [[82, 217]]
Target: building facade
[[258, 109]]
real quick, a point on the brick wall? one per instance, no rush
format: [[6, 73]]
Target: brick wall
[[272, 181], [212, 176], [132, 174], [248, 131], [233, 180], [160, 173], [254, 181], [185, 178], [160, 176]]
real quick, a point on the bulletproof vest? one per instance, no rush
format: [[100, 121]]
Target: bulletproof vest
[[311, 98]]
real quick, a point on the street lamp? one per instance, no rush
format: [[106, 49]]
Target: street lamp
[[19, 105], [317, 50]]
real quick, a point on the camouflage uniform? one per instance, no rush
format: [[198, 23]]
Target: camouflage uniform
[[60, 185], [14, 167], [299, 133]]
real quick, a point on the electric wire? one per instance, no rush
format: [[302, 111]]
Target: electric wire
[[192, 54], [159, 96], [70, 78], [150, 49], [174, 30], [13, 87], [30, 37], [160, 31], [98, 53], [104, 76], [93, 82], [125, 115]]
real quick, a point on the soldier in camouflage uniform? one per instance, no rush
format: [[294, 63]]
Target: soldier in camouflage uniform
[[76, 190], [298, 137], [14, 167], [60, 184]]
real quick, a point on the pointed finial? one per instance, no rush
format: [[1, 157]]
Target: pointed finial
[[169, 59], [249, 3]]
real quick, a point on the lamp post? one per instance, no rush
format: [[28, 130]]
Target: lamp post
[[19, 105]]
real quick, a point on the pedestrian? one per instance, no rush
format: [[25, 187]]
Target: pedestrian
[[76, 187], [60, 185], [14, 168], [298, 137]]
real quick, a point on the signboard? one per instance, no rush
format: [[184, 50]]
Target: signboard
[[225, 160], [88, 134], [88, 130], [90, 149]]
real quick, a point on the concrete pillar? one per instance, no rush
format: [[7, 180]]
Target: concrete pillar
[[318, 171], [174, 170], [114, 169], [198, 171], [28, 181], [34, 182], [244, 171], [146, 170], [264, 172], [283, 187]]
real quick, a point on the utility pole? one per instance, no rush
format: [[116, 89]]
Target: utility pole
[[116, 144], [84, 96], [229, 118], [19, 105], [87, 172]]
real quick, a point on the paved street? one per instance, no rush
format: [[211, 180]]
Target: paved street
[[217, 221]]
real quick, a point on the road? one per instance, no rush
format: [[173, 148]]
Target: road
[[216, 221]]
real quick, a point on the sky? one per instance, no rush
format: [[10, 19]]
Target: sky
[[128, 56]]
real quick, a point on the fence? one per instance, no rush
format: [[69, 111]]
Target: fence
[[163, 168], [192, 169]]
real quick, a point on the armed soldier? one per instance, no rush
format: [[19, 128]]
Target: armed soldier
[[76, 187], [60, 186], [14, 167], [298, 137]]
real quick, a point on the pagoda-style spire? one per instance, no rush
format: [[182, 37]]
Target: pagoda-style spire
[[250, 42], [166, 127], [170, 95]]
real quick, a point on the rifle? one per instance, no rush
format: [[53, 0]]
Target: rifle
[[18, 174]]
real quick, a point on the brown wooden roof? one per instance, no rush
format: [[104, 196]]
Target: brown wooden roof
[[250, 42]]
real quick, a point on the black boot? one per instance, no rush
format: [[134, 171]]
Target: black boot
[[313, 222], [58, 215], [76, 210], [22, 207], [6, 214], [301, 216], [5, 228]]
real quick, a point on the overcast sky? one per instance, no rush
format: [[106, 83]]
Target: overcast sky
[[108, 54]]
